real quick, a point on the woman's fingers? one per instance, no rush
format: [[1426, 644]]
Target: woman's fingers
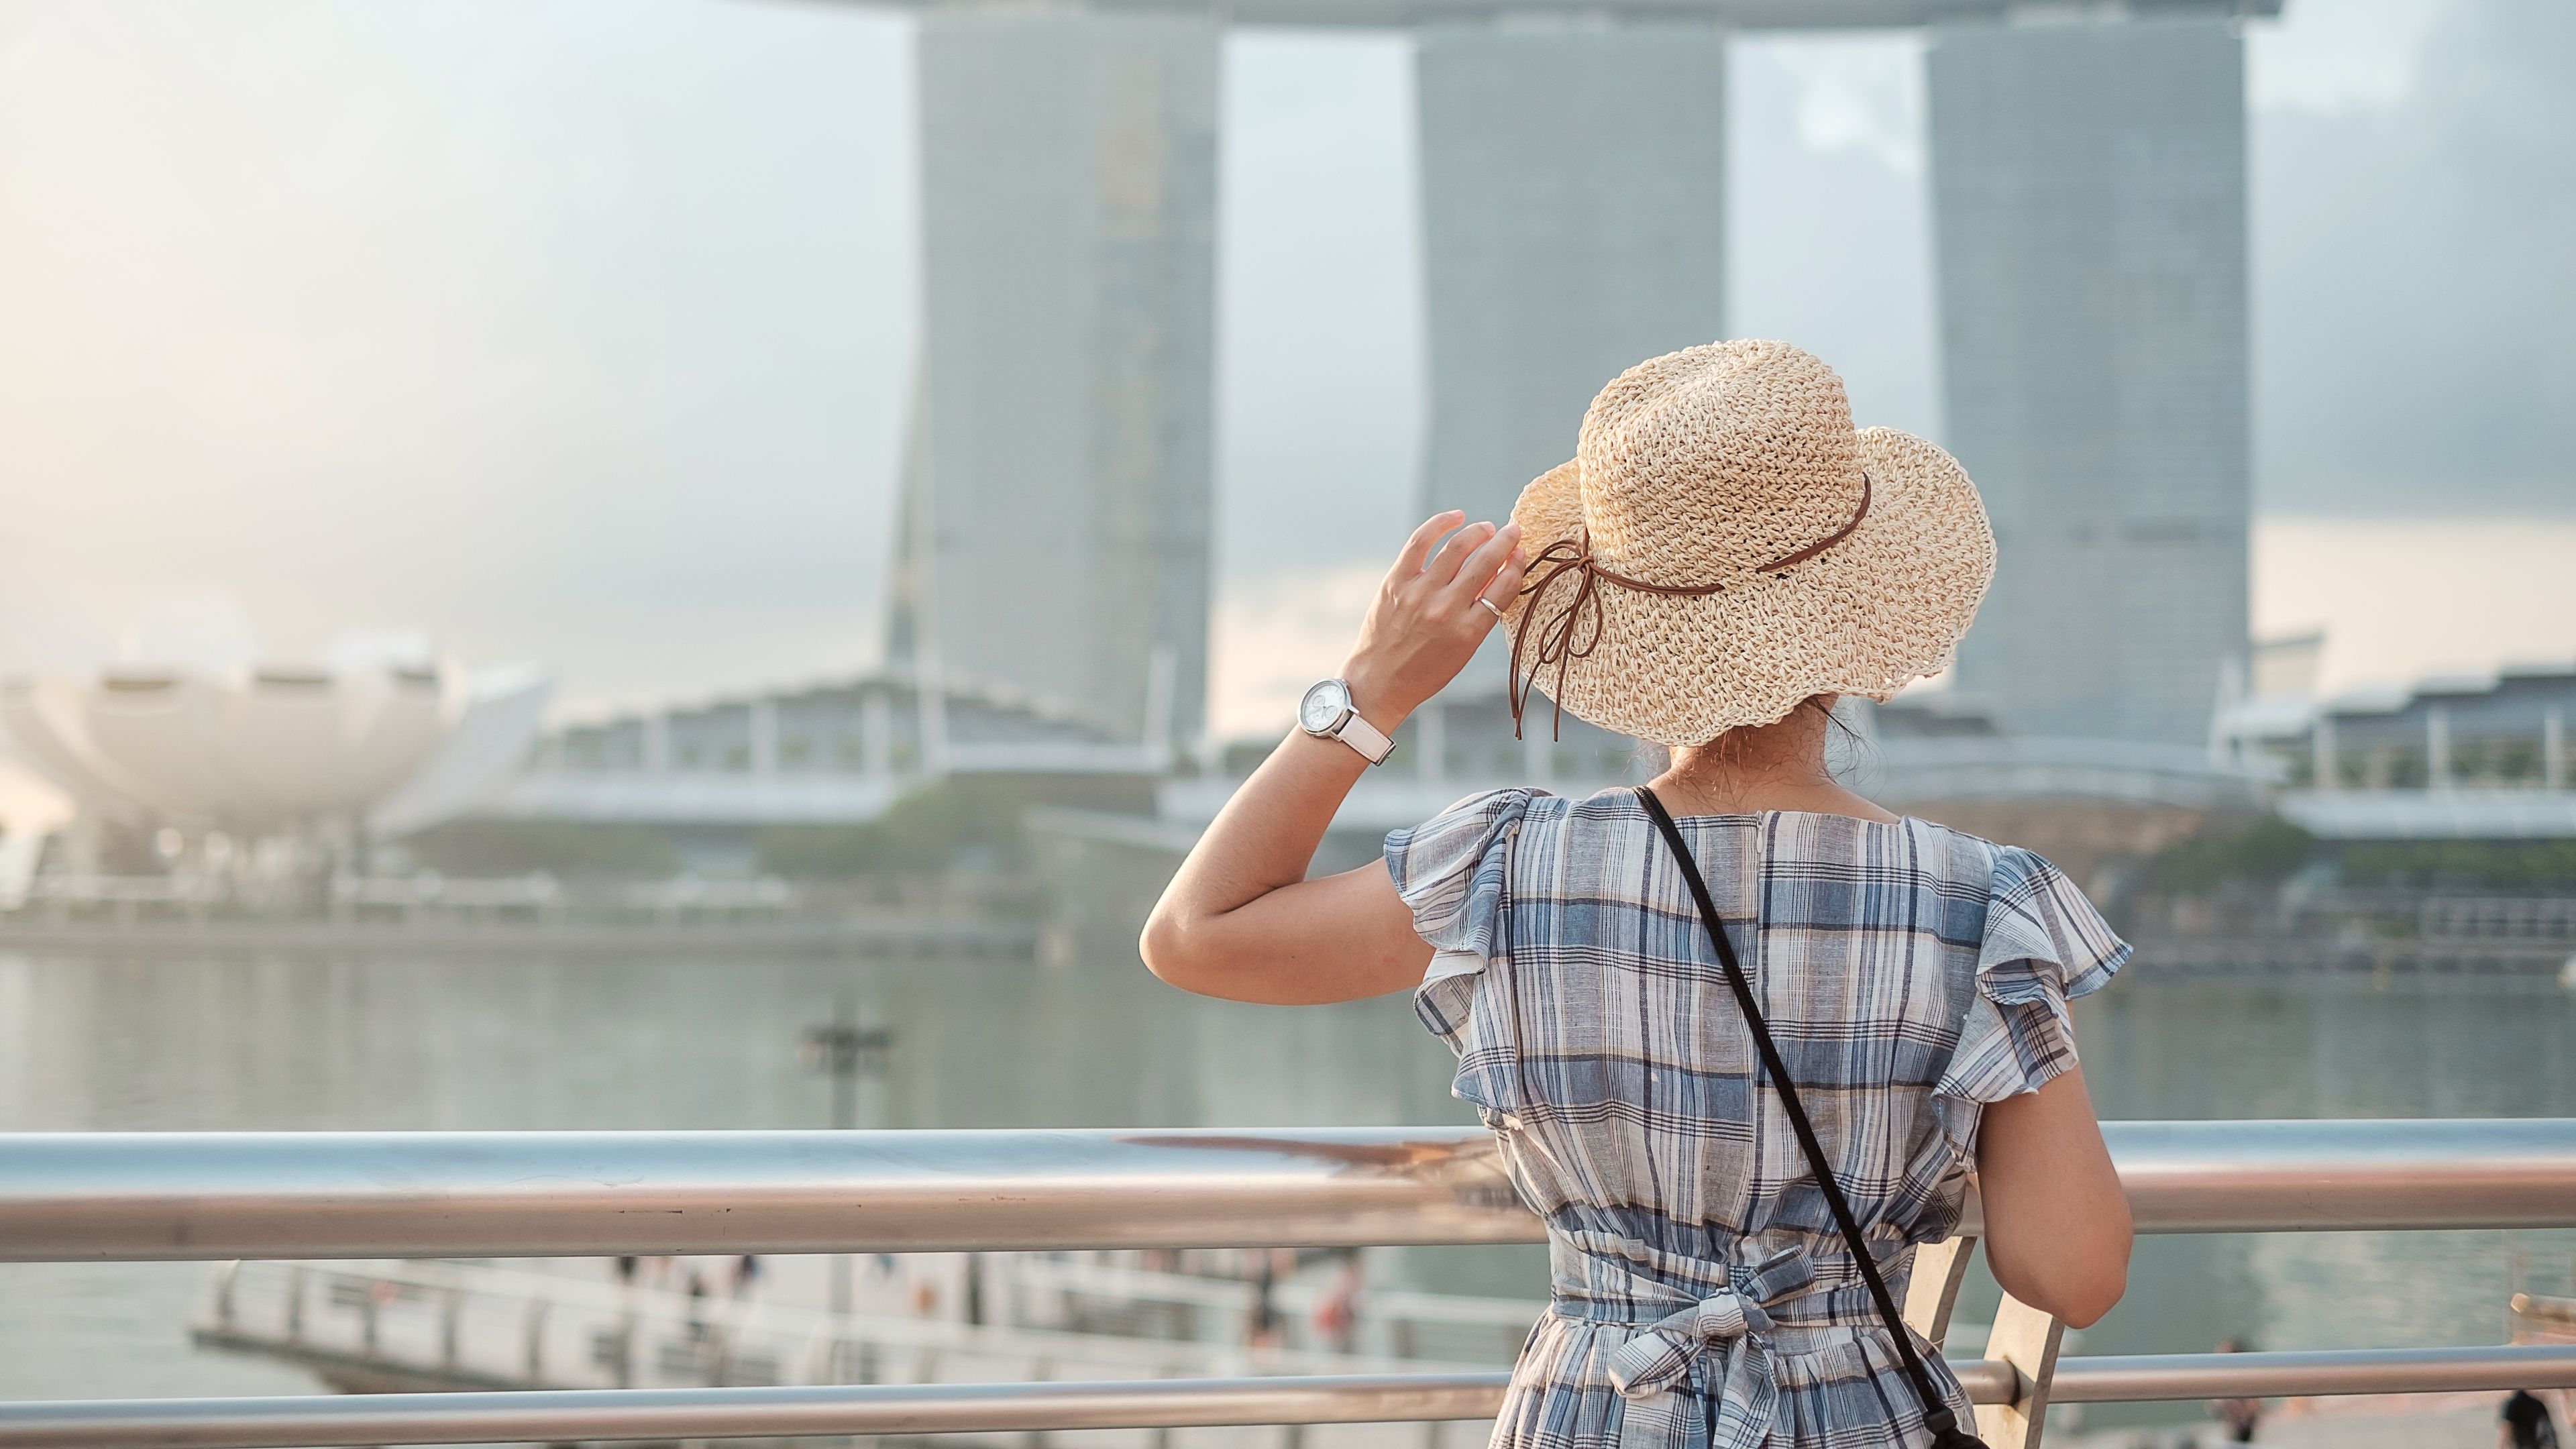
[[1444, 565], [1408, 559], [1504, 587], [1480, 566]]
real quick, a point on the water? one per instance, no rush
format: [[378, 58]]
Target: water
[[131, 1040]]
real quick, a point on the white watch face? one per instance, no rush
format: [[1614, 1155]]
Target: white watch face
[[1323, 707]]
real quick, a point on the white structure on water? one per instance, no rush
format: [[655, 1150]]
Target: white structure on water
[[376, 737]]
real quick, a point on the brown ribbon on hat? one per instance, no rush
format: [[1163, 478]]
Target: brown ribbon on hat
[[1558, 643]]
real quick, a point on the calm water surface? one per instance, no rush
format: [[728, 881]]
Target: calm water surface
[[111, 1040]]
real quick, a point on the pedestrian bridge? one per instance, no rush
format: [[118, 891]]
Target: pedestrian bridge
[[226, 1196]]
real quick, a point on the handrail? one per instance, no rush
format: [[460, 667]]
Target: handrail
[[105, 1196], [559, 1416], [345, 1195]]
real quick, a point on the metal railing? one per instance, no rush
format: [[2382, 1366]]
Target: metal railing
[[336, 1195], [216, 1195]]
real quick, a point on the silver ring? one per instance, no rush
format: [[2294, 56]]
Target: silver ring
[[1490, 609]]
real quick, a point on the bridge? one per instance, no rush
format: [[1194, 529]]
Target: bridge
[[222, 1196]]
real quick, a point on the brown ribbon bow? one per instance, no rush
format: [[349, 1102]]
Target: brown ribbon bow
[[1561, 640]]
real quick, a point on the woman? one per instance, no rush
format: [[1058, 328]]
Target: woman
[[1723, 559]]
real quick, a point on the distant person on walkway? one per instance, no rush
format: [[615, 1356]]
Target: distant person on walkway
[[1337, 1314], [1261, 1327], [2525, 1423], [1743, 1061], [746, 1273], [697, 1305], [2241, 1417]]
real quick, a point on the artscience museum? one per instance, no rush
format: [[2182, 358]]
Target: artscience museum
[[364, 742]]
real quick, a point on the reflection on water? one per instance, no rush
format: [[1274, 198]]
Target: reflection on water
[[131, 1041]]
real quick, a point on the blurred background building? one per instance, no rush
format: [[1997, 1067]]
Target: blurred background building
[[2089, 192], [1056, 488], [1049, 615], [2088, 187], [240, 767], [1574, 223]]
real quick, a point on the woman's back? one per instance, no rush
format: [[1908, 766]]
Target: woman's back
[[1910, 974], [1723, 560]]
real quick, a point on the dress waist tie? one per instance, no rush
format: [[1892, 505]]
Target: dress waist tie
[[1734, 1322]]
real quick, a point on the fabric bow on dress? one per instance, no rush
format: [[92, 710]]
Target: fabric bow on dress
[[1650, 1366], [1732, 1323]]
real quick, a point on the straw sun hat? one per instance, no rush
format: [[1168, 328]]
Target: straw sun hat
[[1725, 545]]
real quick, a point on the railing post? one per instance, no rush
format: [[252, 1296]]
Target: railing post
[[1939, 1268], [224, 1279], [2027, 1339], [1040, 1370]]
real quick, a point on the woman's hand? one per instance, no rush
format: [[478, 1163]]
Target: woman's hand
[[1427, 619], [1240, 919]]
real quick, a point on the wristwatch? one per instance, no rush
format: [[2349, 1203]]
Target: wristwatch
[[1326, 713]]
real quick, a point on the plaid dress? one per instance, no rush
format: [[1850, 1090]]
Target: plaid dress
[[1702, 1299]]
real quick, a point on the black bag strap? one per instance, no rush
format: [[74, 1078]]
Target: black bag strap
[[1946, 1433]]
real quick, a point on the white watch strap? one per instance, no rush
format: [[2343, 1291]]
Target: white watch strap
[[1364, 737]]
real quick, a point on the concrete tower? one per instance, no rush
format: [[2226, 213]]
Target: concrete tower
[[1056, 490], [2089, 201], [1574, 218]]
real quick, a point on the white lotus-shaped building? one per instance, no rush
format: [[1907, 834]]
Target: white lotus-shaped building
[[386, 736]]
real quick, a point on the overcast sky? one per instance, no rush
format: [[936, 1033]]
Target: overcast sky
[[577, 330]]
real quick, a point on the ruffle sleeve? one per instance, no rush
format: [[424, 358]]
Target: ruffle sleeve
[[2044, 945], [1452, 870]]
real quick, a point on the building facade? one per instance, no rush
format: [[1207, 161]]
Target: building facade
[[2089, 206], [2089, 196], [827, 752], [1057, 477], [1574, 223]]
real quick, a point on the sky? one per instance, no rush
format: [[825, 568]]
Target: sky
[[579, 330]]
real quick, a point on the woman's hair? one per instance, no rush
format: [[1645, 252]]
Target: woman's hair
[[1729, 745]]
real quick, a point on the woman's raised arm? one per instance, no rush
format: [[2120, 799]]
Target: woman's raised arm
[[1241, 920]]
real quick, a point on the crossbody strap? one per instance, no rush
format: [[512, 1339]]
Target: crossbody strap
[[1944, 1425]]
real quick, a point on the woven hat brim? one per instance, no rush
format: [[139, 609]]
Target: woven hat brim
[[1884, 607]]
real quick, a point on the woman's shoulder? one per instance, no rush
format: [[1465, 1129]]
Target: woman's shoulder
[[1481, 813], [1457, 841], [1485, 824], [1492, 829], [2032, 916], [1972, 858], [1908, 842], [1967, 869]]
